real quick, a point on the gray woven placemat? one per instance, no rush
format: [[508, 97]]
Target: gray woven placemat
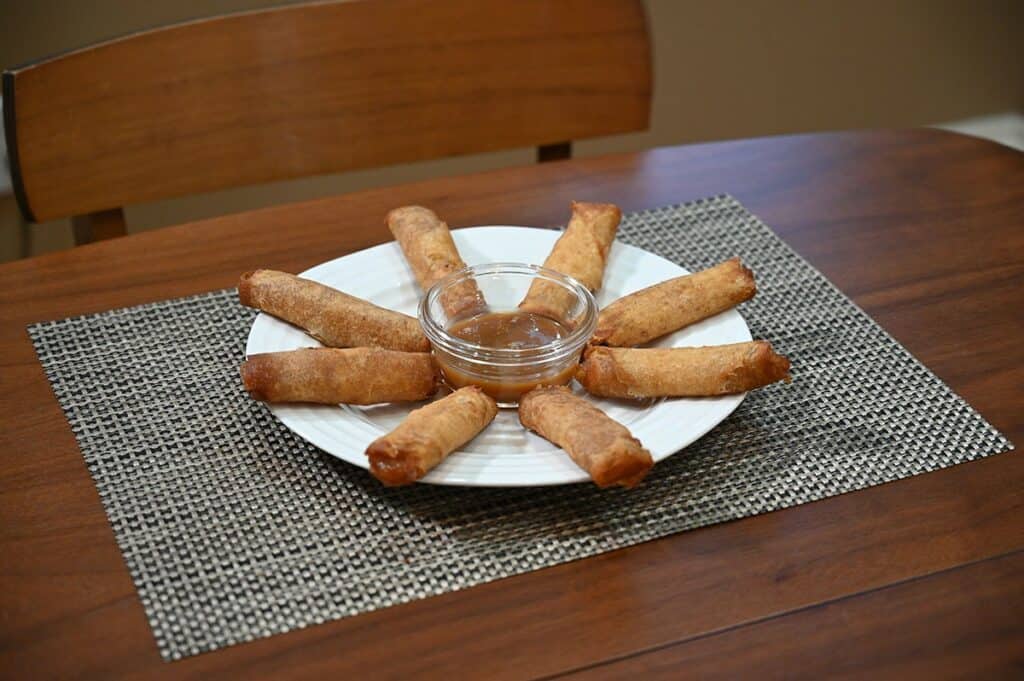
[[234, 529]]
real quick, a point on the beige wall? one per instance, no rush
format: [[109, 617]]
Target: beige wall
[[722, 70]]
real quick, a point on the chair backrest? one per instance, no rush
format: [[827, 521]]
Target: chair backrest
[[318, 88]]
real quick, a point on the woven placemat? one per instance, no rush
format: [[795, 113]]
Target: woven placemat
[[234, 529]]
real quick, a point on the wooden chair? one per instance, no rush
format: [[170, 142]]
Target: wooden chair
[[316, 88]]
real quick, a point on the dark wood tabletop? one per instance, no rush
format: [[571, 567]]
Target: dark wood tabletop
[[922, 577]]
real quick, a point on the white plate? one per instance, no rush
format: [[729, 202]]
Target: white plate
[[505, 454]]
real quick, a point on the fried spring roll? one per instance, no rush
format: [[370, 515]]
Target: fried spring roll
[[581, 252], [334, 376], [681, 372], [669, 306], [597, 443], [332, 317], [428, 435], [430, 251]]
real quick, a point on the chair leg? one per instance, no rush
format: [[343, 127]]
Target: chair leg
[[26, 236], [98, 226], [554, 152]]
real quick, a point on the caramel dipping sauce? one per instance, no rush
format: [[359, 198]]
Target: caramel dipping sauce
[[512, 331]]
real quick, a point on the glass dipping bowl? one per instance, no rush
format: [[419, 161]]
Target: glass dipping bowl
[[506, 373]]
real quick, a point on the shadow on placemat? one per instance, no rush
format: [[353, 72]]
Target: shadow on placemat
[[233, 528]]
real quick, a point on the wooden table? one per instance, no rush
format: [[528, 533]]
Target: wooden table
[[924, 229]]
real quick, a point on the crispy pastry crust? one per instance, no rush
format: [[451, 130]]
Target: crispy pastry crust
[[596, 442], [430, 251], [671, 305], [581, 252], [334, 318], [334, 376], [681, 372], [428, 435]]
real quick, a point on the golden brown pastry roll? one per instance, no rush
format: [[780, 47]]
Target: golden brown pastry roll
[[428, 435], [430, 251], [581, 252], [598, 444], [669, 306], [332, 317], [334, 376], [681, 372]]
